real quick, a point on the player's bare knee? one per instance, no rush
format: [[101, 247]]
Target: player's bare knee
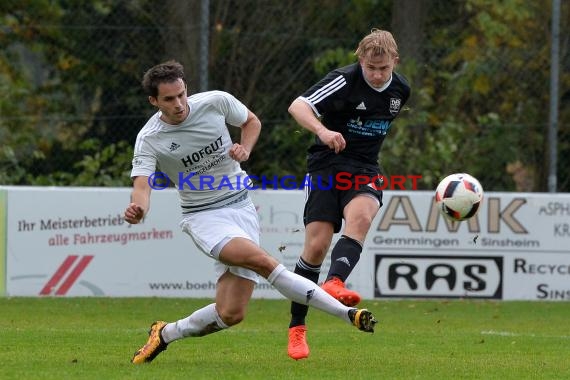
[[361, 223], [315, 252], [232, 317]]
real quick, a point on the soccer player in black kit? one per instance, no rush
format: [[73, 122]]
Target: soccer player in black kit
[[350, 112]]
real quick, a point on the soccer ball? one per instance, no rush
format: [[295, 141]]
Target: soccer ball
[[458, 196]]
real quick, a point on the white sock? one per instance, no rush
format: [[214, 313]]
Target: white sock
[[306, 292], [201, 322]]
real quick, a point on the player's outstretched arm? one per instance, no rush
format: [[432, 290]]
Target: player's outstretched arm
[[140, 200], [250, 131], [304, 116]]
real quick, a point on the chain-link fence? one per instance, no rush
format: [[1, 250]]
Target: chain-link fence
[[71, 103]]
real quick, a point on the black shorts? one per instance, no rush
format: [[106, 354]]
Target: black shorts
[[333, 187]]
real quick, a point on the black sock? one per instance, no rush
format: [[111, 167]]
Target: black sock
[[344, 257], [299, 311]]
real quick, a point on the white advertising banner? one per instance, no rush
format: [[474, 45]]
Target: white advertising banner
[[74, 242], [516, 247]]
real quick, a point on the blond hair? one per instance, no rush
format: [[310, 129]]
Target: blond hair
[[378, 42]]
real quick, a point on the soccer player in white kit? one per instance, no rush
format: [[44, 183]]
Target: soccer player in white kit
[[188, 139]]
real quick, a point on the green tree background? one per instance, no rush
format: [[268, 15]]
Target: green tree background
[[71, 103]]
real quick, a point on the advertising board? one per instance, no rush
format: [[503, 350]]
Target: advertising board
[[74, 242]]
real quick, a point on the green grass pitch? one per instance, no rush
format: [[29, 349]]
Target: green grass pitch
[[94, 338]]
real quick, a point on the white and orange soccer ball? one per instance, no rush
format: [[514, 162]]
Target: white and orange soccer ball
[[458, 196]]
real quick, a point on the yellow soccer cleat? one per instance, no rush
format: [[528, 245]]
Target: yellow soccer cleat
[[154, 345], [362, 319]]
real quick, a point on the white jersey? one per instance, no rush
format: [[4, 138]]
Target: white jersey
[[194, 154]]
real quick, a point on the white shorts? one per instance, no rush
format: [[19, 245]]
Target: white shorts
[[211, 230]]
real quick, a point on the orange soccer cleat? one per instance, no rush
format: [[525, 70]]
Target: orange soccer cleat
[[335, 287], [298, 347]]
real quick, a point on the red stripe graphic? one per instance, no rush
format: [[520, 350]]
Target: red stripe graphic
[[71, 277], [67, 263], [85, 260]]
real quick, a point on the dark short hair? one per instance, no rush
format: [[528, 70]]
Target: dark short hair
[[166, 72]]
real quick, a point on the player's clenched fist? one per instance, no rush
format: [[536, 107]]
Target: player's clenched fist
[[239, 153], [333, 140], [134, 213]]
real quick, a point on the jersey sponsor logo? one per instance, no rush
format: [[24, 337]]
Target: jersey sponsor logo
[[370, 128], [361, 106], [395, 105], [195, 157], [173, 147], [438, 276]]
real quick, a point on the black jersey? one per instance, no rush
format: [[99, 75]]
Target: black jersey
[[347, 104]]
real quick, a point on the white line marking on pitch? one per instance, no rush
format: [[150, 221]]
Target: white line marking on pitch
[[507, 333]]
